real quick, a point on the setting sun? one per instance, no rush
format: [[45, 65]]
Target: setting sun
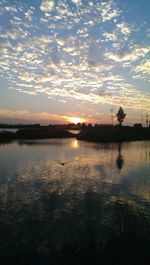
[[76, 120]]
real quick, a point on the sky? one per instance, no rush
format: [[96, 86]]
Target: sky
[[74, 58]]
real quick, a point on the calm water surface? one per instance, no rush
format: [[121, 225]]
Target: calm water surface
[[73, 202]]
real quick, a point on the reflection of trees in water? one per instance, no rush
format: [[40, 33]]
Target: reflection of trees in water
[[120, 159], [72, 229], [147, 152]]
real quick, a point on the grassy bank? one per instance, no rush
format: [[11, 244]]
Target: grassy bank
[[35, 134], [114, 134]]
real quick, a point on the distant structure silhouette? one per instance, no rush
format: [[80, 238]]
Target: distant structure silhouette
[[147, 121], [120, 115], [112, 116]]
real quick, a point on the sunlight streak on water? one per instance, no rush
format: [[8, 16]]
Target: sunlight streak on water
[[71, 166]]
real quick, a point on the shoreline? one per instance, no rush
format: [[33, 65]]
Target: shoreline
[[31, 134], [113, 134]]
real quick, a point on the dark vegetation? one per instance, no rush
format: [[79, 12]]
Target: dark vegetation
[[88, 133], [19, 126], [114, 134], [120, 115], [42, 133]]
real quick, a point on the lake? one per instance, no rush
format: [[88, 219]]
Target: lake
[[65, 201]]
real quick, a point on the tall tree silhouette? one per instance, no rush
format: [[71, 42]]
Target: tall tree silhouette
[[120, 115]]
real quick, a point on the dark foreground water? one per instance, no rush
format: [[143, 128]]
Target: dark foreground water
[[70, 202]]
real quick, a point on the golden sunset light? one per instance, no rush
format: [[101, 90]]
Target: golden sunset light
[[75, 144], [74, 132], [76, 120]]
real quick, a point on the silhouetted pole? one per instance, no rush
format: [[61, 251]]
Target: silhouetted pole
[[147, 120], [112, 116], [142, 117]]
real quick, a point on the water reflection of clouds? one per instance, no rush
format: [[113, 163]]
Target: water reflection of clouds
[[74, 167], [76, 176], [52, 207]]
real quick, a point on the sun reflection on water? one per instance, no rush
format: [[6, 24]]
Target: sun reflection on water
[[74, 143]]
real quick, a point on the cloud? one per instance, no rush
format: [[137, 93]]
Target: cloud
[[47, 6], [14, 34], [148, 33], [77, 2], [123, 27], [10, 9], [144, 68], [133, 55], [108, 11], [110, 36], [25, 115], [11, 34], [29, 14], [68, 56]]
